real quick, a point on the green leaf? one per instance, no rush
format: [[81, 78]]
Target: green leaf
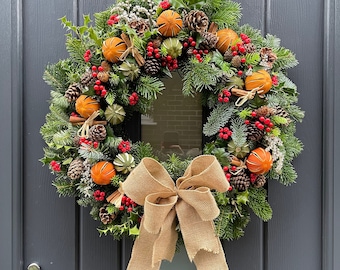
[[110, 98]]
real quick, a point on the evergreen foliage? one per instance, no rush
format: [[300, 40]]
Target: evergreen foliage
[[217, 119]]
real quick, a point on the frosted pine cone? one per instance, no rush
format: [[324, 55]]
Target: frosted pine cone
[[97, 133], [105, 217], [75, 169], [73, 92], [209, 40], [87, 79]]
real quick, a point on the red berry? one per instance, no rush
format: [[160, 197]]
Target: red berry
[[150, 43], [198, 56], [220, 99], [96, 87], [94, 68], [240, 73], [225, 168], [100, 68], [243, 60], [260, 126], [102, 194], [233, 48], [95, 144], [230, 188], [157, 55], [101, 87], [247, 122], [205, 51], [262, 119], [150, 49], [226, 99], [175, 66], [86, 59], [121, 208], [94, 74], [268, 129], [228, 175], [235, 53], [98, 82], [195, 51], [156, 50], [193, 43], [233, 168], [225, 136], [88, 52], [270, 124], [267, 121], [130, 209], [149, 54], [168, 58], [248, 40], [242, 49], [185, 44], [190, 39], [253, 113]]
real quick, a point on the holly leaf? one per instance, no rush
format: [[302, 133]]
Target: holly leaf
[[134, 231], [257, 101]]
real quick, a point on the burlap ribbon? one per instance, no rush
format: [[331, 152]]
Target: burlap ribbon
[[190, 200]]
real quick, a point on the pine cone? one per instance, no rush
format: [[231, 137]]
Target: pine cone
[[73, 92], [250, 47], [240, 181], [209, 40], [152, 66], [103, 76], [267, 57], [279, 111], [75, 169], [228, 56], [197, 21], [265, 111], [254, 133], [140, 26], [87, 79], [260, 181], [105, 217], [97, 133], [236, 61]]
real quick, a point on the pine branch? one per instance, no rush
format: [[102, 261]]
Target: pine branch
[[258, 203], [271, 41], [175, 166], [57, 75], [254, 34], [227, 14], [149, 87], [217, 119], [252, 59], [239, 130], [140, 150], [285, 59], [65, 187]]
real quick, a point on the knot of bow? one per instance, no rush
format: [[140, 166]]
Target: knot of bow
[[190, 200]]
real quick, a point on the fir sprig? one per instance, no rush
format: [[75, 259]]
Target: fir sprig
[[217, 119]]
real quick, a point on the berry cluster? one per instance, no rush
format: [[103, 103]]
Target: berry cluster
[[113, 19], [239, 47], [191, 44], [263, 123], [55, 166], [99, 196], [253, 177], [170, 62], [124, 146], [127, 204], [227, 170], [153, 51], [99, 88], [275, 80], [83, 140], [87, 56], [225, 133], [165, 4], [224, 96], [133, 99]]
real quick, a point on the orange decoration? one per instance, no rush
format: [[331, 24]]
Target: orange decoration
[[260, 79], [102, 172], [169, 23], [86, 106], [226, 39], [259, 161], [113, 48]]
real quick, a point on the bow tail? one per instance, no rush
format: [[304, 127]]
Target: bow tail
[[201, 242], [150, 249]]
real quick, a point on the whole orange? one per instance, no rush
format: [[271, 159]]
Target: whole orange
[[102, 172]]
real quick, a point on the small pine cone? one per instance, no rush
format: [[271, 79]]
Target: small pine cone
[[197, 21], [75, 169], [209, 40], [152, 66], [97, 133], [105, 217], [240, 181], [103, 76], [140, 26], [265, 111], [73, 92], [250, 47], [254, 133], [268, 57], [87, 79], [279, 111], [260, 181], [236, 61], [157, 42], [228, 56]]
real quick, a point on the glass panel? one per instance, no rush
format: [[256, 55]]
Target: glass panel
[[174, 125]]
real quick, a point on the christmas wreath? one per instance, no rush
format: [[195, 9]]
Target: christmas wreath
[[114, 74]]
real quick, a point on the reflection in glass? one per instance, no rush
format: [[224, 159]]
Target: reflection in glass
[[174, 124]]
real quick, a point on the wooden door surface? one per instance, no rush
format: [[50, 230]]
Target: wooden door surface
[[38, 226]]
